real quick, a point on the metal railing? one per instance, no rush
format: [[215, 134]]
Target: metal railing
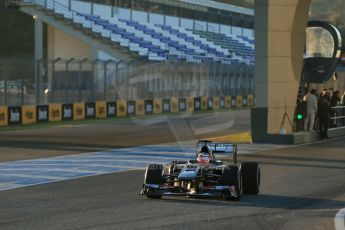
[[337, 117]]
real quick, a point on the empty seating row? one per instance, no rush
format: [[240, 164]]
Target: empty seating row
[[159, 42], [239, 46]]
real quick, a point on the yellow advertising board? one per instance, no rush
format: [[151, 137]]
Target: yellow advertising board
[[216, 101], [28, 114], [250, 100], [174, 108], [121, 108], [55, 113], [239, 101], [101, 109], [3, 116], [190, 104], [203, 103], [79, 111], [227, 101], [157, 106], [139, 107]]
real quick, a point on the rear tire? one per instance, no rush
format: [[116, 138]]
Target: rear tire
[[250, 178], [232, 177], [153, 175]]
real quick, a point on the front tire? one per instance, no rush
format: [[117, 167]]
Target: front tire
[[153, 175], [250, 177], [231, 177]]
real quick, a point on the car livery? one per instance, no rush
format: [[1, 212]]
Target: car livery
[[203, 176]]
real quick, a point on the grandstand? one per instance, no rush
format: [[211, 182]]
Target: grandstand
[[213, 41], [155, 39]]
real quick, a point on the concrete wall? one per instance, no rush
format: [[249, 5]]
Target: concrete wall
[[65, 46], [280, 39]]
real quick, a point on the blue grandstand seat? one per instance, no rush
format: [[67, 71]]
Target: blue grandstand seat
[[161, 42]]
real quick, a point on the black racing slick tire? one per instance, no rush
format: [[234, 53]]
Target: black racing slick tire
[[250, 178], [153, 175], [231, 177]]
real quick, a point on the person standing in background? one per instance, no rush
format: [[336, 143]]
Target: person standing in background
[[324, 113], [335, 99], [343, 100], [311, 100]]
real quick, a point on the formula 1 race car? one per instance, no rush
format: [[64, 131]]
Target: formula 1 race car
[[203, 176]]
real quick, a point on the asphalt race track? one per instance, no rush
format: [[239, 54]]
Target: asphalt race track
[[118, 133], [303, 187]]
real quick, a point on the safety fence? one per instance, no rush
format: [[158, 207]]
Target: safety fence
[[32, 114], [17, 81], [25, 82]]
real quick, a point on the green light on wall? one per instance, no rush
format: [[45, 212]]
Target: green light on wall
[[299, 116]]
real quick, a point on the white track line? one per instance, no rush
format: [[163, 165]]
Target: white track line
[[339, 220]]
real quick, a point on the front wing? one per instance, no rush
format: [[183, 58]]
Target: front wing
[[208, 191]]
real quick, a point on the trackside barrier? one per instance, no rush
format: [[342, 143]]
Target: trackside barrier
[[67, 112], [121, 108], [101, 109], [166, 106], [197, 104], [182, 105], [244, 101], [3, 116], [233, 102], [228, 102], [141, 107], [222, 103], [157, 106], [239, 102], [190, 104], [111, 109], [55, 112], [130, 108], [14, 115], [250, 99], [31, 114], [216, 101], [174, 105], [210, 103], [148, 106], [90, 110], [203, 103], [79, 111], [42, 113]]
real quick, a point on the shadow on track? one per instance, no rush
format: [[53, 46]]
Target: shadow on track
[[264, 201]]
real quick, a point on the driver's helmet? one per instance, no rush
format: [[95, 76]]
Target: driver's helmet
[[204, 155]]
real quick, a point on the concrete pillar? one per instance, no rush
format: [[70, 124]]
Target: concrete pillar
[[38, 55], [280, 27]]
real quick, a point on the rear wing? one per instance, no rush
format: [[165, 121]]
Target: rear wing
[[218, 147]]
